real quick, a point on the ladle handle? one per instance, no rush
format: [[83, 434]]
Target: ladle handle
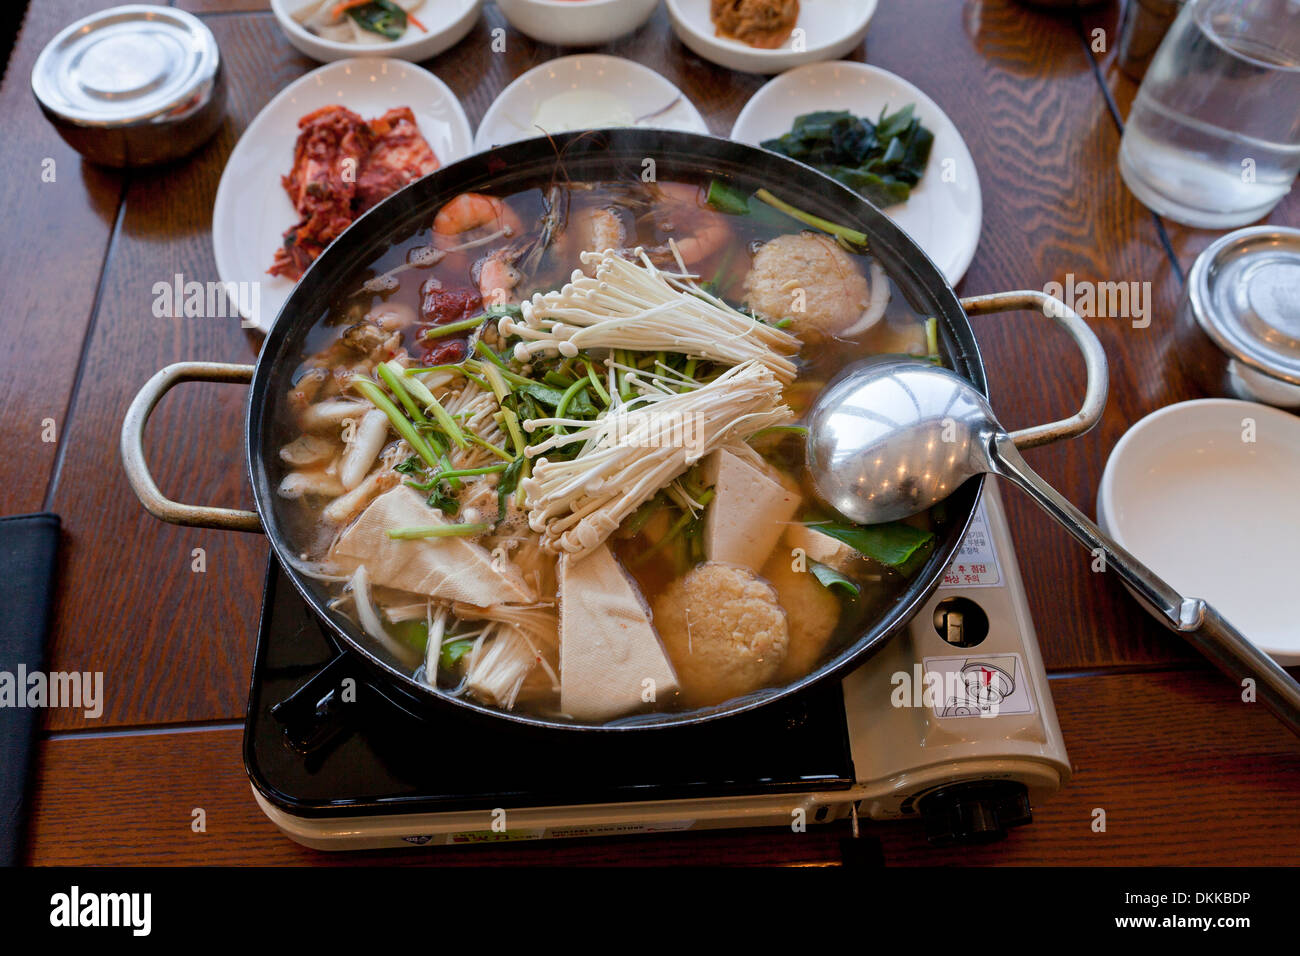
[[1094, 360], [1199, 623]]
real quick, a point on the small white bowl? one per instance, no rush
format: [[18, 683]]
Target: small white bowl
[[577, 22], [1214, 513], [825, 30], [447, 21], [642, 91]]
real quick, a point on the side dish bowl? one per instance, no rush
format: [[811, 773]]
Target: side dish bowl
[[577, 22], [447, 22], [825, 30]]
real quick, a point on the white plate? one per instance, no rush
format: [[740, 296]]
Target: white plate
[[641, 91], [1214, 513], [252, 210], [945, 212], [446, 22], [825, 30]]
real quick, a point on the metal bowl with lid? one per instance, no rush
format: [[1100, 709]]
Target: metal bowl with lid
[[132, 86], [1239, 319]]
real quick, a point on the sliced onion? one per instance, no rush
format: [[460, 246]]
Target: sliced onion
[[369, 618], [318, 570], [437, 626], [879, 302]]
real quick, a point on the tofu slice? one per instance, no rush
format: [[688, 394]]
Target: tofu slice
[[819, 547], [608, 647], [453, 568], [748, 514]]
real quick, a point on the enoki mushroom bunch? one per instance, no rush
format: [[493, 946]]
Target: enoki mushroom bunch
[[475, 408], [634, 450], [527, 636], [638, 307]]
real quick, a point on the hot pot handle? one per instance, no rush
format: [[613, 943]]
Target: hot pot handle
[[137, 470], [1094, 399]]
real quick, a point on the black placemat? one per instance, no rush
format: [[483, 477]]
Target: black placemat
[[28, 549]]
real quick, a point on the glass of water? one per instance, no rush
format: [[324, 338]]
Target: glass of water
[[1213, 139]]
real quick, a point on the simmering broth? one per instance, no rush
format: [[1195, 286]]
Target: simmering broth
[[545, 448]]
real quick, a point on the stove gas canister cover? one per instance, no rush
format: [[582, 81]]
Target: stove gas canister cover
[[991, 685]]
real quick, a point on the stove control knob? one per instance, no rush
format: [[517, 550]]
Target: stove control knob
[[978, 811]]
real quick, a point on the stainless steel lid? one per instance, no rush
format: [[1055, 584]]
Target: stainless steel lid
[[127, 66], [1244, 291]]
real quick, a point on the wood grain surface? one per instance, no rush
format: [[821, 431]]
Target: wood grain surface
[[61, 213], [1042, 113], [1151, 750]]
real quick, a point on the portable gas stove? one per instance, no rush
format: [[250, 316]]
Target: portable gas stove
[[951, 722]]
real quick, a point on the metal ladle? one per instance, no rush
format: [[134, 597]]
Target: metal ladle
[[894, 437]]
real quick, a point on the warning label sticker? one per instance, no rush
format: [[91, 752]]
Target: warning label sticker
[[976, 562], [987, 686]]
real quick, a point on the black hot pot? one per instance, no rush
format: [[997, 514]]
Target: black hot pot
[[603, 155]]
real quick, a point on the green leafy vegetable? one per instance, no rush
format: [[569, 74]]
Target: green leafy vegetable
[[894, 545], [403, 426], [448, 424], [508, 482], [856, 240], [575, 403], [409, 467], [451, 328], [458, 369], [394, 383], [453, 651], [641, 517], [831, 579], [728, 199], [874, 187], [880, 161], [543, 393], [483, 443], [596, 383], [688, 526], [414, 633], [557, 380], [380, 16], [442, 498], [438, 531], [500, 310]]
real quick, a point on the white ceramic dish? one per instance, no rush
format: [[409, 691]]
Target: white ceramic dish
[[447, 21], [574, 23], [945, 212], [640, 92], [825, 30], [252, 209], [1204, 493]]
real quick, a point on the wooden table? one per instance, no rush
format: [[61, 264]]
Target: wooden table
[[1187, 774]]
